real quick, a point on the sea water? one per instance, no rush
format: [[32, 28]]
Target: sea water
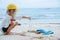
[[41, 15]]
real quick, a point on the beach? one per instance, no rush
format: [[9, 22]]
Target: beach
[[21, 32]]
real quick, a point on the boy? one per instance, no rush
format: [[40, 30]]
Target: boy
[[10, 22]]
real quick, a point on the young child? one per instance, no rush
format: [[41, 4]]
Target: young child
[[10, 22]]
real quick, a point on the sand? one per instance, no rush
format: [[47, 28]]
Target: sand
[[28, 37], [32, 36]]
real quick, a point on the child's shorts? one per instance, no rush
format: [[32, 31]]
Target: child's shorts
[[5, 29]]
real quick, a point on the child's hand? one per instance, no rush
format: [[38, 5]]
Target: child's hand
[[16, 23], [13, 19], [29, 18]]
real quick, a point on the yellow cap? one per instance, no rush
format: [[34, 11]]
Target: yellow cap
[[12, 6]]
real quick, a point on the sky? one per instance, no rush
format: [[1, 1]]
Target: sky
[[31, 3]]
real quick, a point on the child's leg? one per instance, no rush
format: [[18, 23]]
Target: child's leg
[[10, 28]]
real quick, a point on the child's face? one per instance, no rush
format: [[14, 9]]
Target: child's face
[[12, 12]]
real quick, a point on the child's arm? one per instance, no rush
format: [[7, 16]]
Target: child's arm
[[12, 25], [26, 17]]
